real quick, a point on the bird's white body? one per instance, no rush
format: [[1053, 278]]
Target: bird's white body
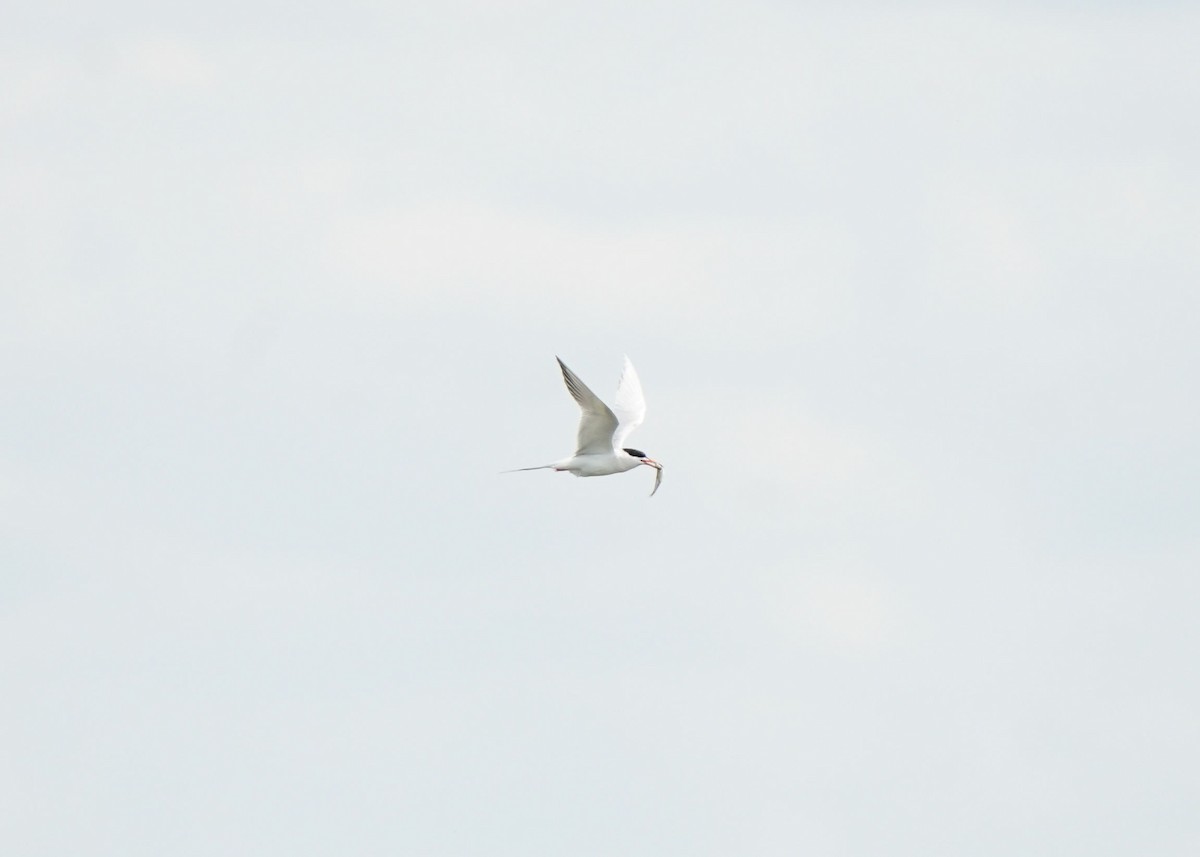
[[598, 463], [600, 449]]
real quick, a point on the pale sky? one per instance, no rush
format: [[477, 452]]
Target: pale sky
[[913, 296]]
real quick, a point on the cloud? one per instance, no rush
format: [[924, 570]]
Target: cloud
[[688, 274], [169, 62], [840, 610], [480, 249]]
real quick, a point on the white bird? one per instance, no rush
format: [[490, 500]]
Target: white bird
[[602, 433]]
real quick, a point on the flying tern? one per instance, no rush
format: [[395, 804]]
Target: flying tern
[[602, 433]]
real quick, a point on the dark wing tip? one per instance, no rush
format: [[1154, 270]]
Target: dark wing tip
[[573, 383]]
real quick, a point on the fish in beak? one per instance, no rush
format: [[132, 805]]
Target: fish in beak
[[657, 476]]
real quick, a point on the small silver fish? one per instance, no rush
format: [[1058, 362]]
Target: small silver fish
[[657, 478]]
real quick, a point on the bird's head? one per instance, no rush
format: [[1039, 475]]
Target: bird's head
[[643, 458], [649, 462]]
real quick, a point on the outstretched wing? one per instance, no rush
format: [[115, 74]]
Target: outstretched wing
[[597, 424], [630, 404]]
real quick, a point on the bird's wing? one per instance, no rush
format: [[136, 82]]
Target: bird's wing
[[597, 424], [630, 404]]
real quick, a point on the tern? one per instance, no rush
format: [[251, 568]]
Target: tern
[[602, 433]]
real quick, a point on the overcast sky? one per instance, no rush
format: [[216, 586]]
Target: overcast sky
[[913, 296]]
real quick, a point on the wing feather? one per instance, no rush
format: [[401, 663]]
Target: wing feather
[[597, 423], [630, 404]]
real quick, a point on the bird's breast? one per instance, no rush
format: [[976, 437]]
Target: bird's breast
[[601, 465]]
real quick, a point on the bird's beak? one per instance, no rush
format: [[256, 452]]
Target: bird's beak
[[652, 463]]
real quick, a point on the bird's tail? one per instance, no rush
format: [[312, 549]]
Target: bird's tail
[[520, 469]]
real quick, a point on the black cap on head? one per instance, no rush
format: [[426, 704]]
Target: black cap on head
[[636, 453]]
